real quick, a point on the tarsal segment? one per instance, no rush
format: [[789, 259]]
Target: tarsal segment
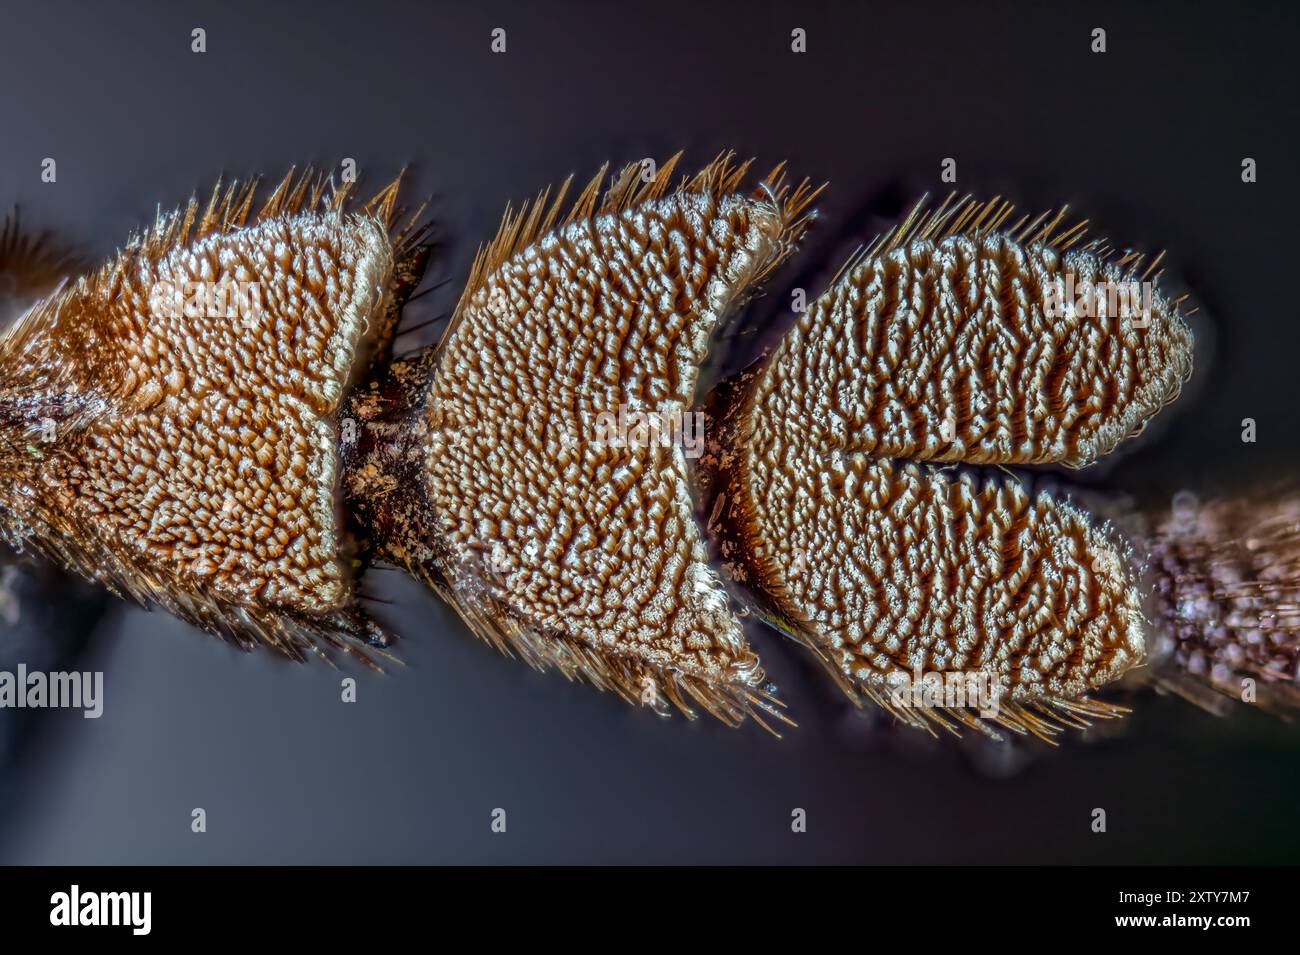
[[947, 342], [168, 420], [553, 463]]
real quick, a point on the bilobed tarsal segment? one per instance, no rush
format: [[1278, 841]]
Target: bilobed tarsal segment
[[565, 539], [169, 419], [937, 346]]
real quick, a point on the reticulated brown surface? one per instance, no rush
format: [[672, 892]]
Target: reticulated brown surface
[[935, 348], [958, 349], [183, 452], [585, 552], [901, 568]]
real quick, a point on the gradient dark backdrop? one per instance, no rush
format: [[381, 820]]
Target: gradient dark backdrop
[[1146, 139]]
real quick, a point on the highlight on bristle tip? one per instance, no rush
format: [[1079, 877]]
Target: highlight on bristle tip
[[627, 189], [632, 680], [1045, 719]]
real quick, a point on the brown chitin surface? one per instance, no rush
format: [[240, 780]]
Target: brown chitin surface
[[935, 347], [579, 554], [1225, 601], [949, 342], [382, 451], [185, 457]]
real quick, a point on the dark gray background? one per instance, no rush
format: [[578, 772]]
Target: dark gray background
[[1147, 140]]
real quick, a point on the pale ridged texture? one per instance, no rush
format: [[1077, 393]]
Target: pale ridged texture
[[189, 459], [940, 347], [935, 347], [578, 555]]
